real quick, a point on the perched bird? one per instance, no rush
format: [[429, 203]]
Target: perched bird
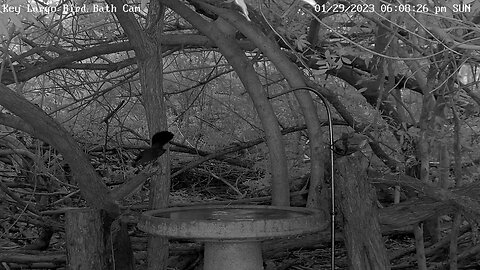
[[156, 150]]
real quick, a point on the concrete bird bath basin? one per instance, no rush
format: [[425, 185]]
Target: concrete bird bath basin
[[232, 234]]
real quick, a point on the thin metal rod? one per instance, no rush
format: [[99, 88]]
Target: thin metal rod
[[332, 170]]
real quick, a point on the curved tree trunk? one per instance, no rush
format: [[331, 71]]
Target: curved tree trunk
[[45, 128], [236, 57], [295, 79]]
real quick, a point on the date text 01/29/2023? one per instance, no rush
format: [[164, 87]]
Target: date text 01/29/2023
[[388, 8]]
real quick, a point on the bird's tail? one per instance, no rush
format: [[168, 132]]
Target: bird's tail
[[161, 138]]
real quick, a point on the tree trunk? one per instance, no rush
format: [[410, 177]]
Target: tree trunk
[[119, 241], [148, 51], [151, 79], [84, 233], [363, 238]]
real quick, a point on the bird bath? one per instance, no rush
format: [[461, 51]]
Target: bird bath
[[232, 234]]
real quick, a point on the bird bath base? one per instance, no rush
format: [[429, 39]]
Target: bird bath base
[[233, 255], [232, 234]]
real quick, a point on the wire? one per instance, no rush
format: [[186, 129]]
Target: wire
[[332, 181]]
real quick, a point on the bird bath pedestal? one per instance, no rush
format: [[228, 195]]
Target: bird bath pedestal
[[232, 234]]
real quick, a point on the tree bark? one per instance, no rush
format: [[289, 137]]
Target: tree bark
[[148, 51], [85, 235], [357, 198]]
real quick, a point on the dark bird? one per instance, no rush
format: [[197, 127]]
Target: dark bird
[[156, 150]]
